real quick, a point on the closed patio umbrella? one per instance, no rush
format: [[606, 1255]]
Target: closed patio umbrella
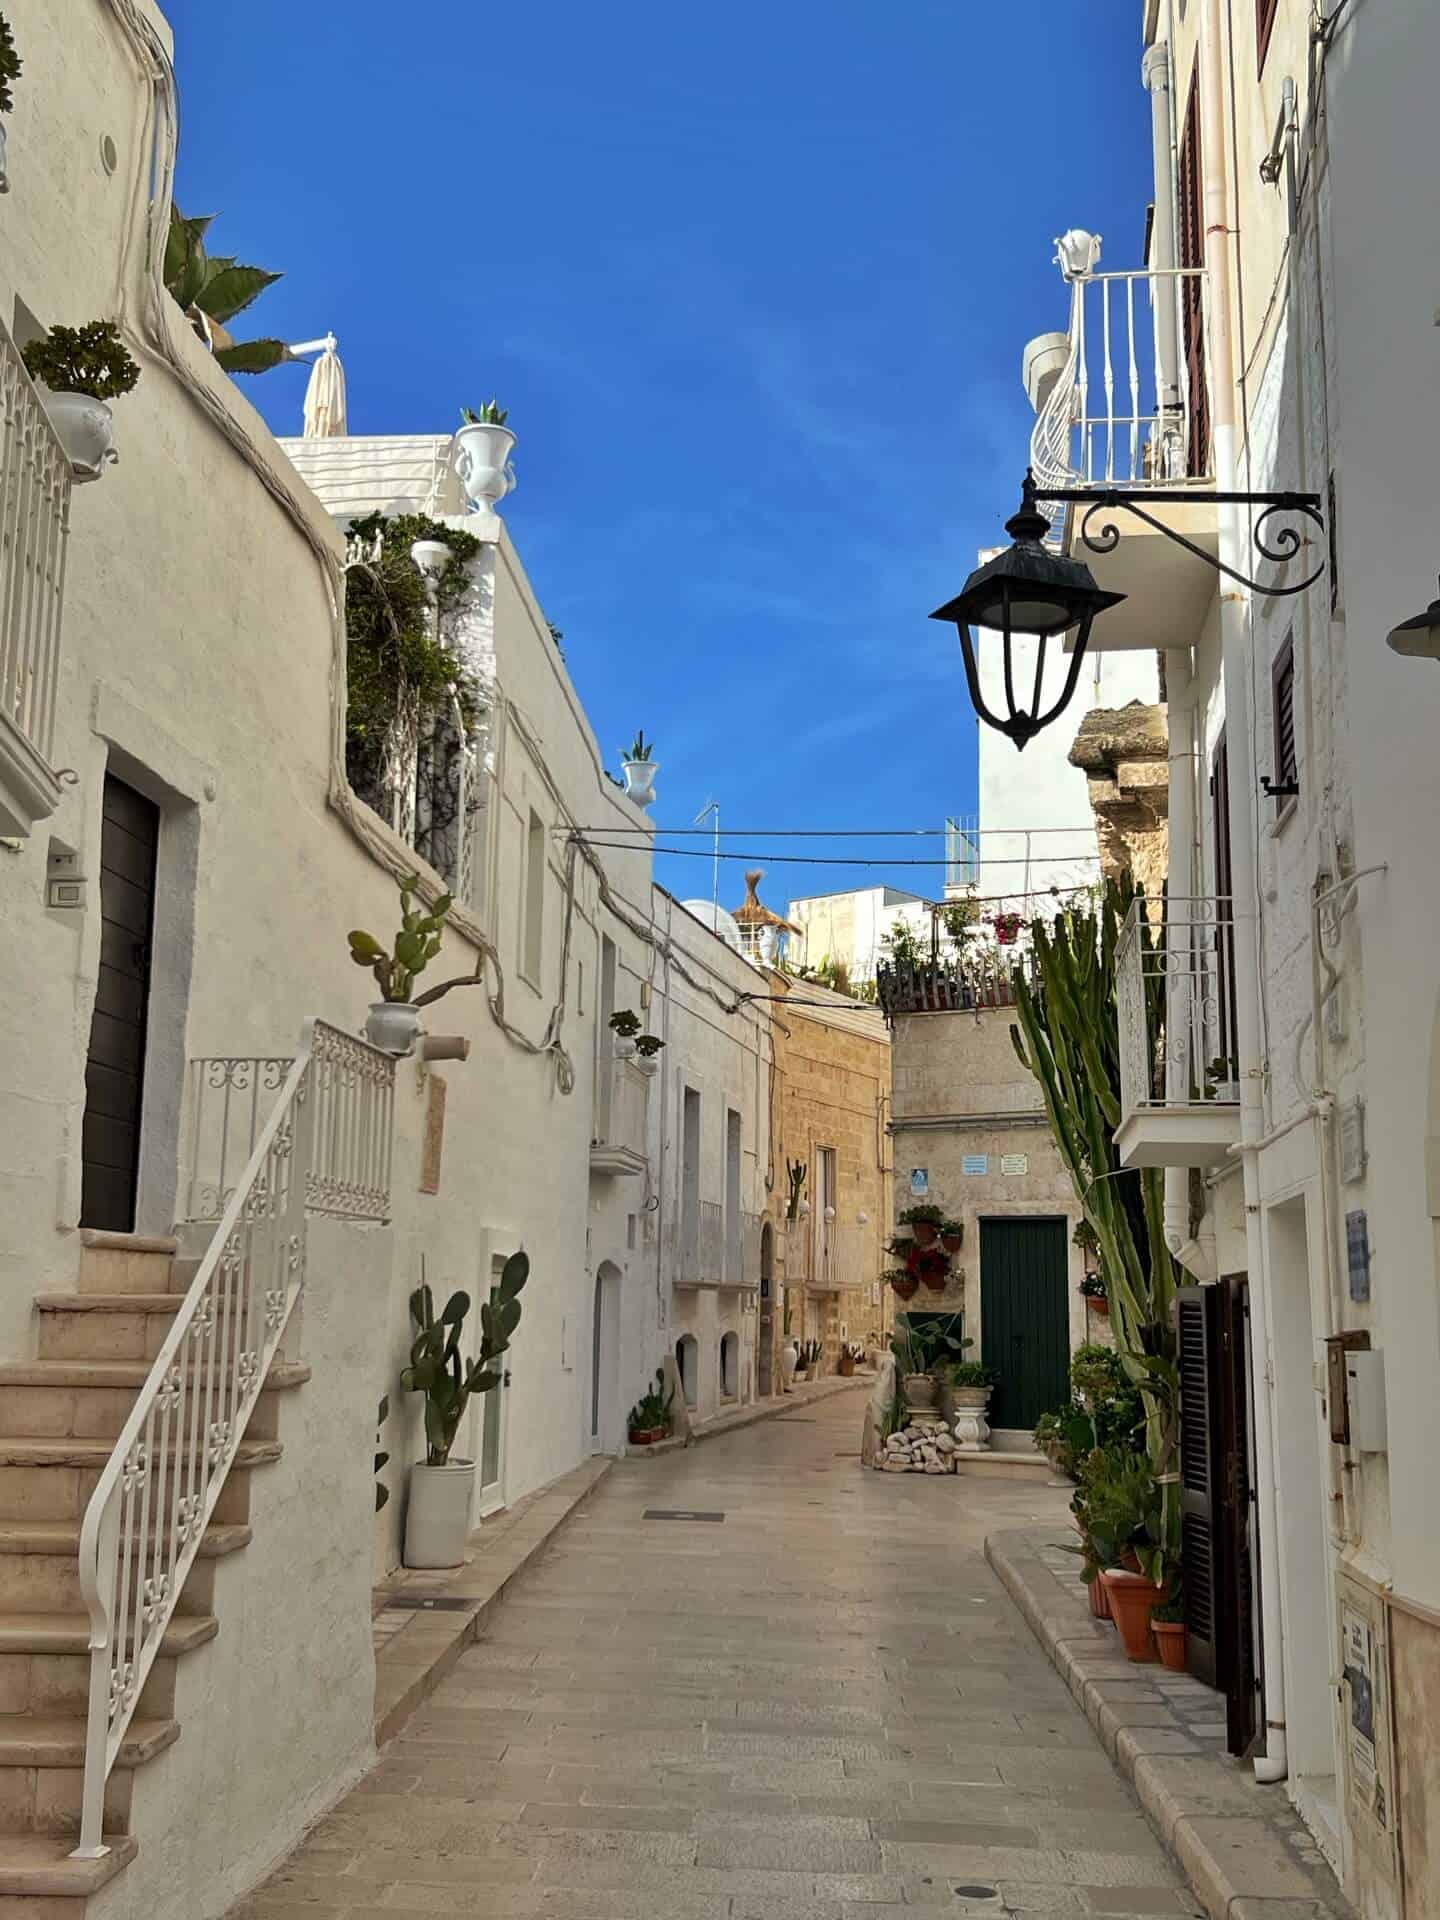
[[325, 394]]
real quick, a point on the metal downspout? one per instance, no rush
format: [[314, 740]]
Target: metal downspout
[[1245, 904]]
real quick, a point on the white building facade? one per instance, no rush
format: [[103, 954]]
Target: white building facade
[[1287, 344], [191, 1128]]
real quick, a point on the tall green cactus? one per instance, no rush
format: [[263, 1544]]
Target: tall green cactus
[[436, 1368], [1069, 1039]]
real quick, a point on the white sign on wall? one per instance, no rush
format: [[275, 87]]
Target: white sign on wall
[[975, 1163], [1013, 1163], [919, 1182]]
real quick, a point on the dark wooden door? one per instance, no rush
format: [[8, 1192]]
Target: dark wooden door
[[1242, 1686], [1025, 1317], [115, 1064], [1201, 1482]]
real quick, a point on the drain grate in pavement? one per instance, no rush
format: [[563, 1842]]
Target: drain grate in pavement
[[424, 1603], [977, 1893], [678, 1513]]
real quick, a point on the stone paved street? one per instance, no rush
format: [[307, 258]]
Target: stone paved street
[[822, 1707]]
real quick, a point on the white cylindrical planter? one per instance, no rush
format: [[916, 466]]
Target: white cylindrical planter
[[789, 1360], [85, 428], [972, 1429], [393, 1026], [640, 780], [437, 1520], [482, 462]]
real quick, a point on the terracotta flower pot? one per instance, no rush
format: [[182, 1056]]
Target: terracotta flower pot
[[647, 1436], [935, 1279], [1102, 1307], [1133, 1599], [1170, 1639], [924, 1233], [952, 1242], [1099, 1598], [906, 1285]]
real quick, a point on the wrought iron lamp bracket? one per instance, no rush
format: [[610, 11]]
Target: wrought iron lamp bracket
[[1280, 547]]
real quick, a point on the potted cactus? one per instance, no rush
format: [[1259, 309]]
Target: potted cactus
[[483, 447], [79, 370], [652, 1416], [437, 1521], [639, 765], [394, 1019]]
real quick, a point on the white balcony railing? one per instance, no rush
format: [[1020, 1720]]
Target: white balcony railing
[[1175, 994], [621, 1117], [1129, 406], [35, 486], [323, 1147]]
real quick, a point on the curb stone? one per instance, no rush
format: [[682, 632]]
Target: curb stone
[[1242, 1847]]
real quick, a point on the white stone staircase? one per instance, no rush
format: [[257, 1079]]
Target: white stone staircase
[[60, 1415]]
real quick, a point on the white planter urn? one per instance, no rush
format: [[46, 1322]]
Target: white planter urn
[[972, 1429], [85, 428], [482, 463], [393, 1026], [640, 780], [789, 1360], [437, 1519]]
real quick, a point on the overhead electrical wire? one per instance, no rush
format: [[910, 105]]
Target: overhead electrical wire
[[829, 833], [828, 859]]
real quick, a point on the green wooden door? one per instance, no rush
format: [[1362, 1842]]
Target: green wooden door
[[1025, 1317]]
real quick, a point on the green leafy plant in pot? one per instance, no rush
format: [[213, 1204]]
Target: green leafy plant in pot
[[924, 1222], [79, 371], [437, 1520]]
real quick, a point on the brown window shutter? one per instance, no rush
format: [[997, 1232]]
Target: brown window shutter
[[1192, 254], [1265, 12], [1198, 1316], [1287, 755]]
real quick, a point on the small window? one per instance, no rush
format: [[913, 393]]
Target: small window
[[1286, 778], [1265, 12], [533, 931]]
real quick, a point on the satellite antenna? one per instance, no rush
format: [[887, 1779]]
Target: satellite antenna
[[712, 806]]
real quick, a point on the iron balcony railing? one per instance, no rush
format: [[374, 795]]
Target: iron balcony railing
[[1176, 1006], [35, 487], [1130, 405], [965, 982]]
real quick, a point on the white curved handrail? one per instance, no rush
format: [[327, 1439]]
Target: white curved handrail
[[325, 1147]]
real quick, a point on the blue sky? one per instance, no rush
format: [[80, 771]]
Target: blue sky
[[753, 282]]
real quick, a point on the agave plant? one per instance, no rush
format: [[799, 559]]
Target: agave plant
[[490, 415], [436, 1367], [212, 289]]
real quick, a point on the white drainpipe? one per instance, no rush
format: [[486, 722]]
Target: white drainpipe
[[1155, 71], [1180, 720], [1235, 643]]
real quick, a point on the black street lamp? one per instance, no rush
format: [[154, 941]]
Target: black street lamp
[[1027, 589]]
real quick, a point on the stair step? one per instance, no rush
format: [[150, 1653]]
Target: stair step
[[125, 1262], [94, 1397], [53, 1740], [107, 1302], [107, 1326], [62, 1538], [69, 1633], [67, 1450], [37, 1866]]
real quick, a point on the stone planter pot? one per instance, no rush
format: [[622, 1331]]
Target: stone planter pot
[[920, 1394], [789, 1361], [1170, 1639], [972, 1429], [482, 463], [437, 1519], [640, 780], [393, 1026], [1133, 1599], [85, 428]]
